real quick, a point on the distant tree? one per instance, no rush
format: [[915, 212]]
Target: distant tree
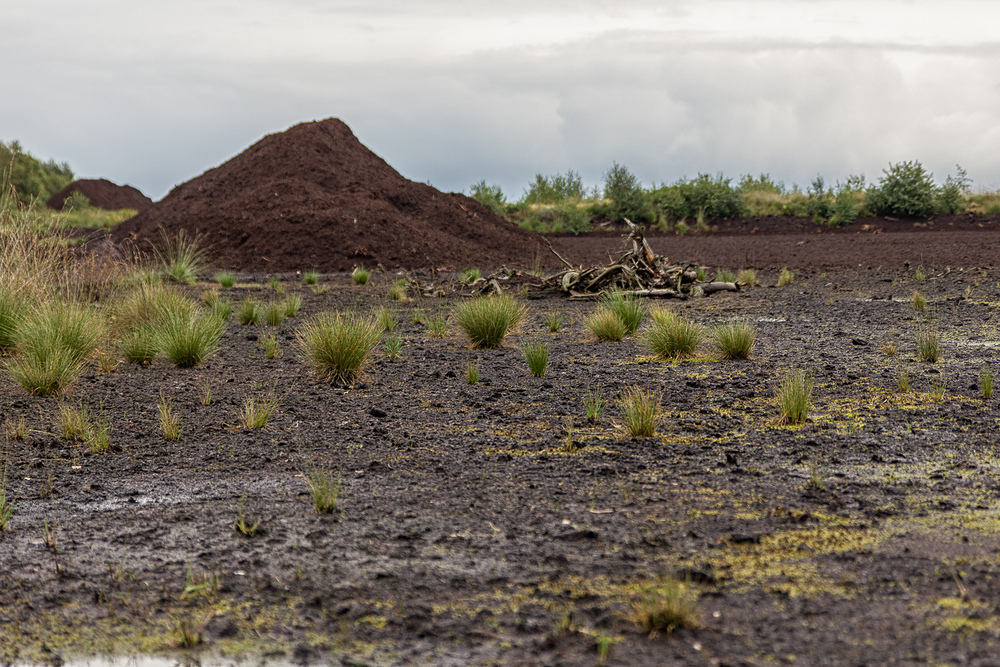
[[32, 179], [905, 189], [490, 196], [628, 199]]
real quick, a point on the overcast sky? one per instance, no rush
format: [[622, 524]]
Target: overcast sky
[[454, 91]]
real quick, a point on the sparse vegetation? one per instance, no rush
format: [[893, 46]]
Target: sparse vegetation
[[392, 345], [437, 327], [274, 313], [486, 320], [182, 256], [928, 345], [986, 383], [291, 304], [324, 490], [249, 311], [627, 307], [243, 525], [747, 277], [472, 373], [919, 302], [258, 408], [553, 321], [470, 276], [269, 342], [310, 277], [593, 404], [187, 339], [785, 278], [605, 325], [170, 420], [226, 279]]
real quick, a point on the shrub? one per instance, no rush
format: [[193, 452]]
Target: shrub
[[536, 353], [794, 396], [486, 320], [951, 197], [640, 412], [905, 189], [555, 189], [360, 275], [605, 325], [338, 345], [734, 340], [187, 339], [628, 200], [629, 309], [182, 257], [668, 607], [704, 198], [490, 196], [672, 336]]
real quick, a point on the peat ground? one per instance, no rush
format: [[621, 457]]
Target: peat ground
[[493, 524]]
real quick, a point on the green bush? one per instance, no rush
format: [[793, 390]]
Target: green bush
[[490, 196], [628, 199], [905, 189], [951, 197], [555, 189], [32, 179], [486, 320], [338, 345], [704, 197]]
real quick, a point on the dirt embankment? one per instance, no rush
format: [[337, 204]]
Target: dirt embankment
[[102, 193], [314, 197]]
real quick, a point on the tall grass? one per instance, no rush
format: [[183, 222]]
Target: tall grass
[[794, 397], [182, 256], [640, 412], [338, 345], [187, 339]]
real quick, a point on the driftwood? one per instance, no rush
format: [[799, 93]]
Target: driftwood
[[638, 271]]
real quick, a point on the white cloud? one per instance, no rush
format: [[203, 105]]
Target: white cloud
[[453, 92]]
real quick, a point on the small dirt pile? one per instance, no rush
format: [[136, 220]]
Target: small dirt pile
[[314, 197], [102, 193]]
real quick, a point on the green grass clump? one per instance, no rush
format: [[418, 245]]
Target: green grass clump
[[222, 309], [903, 382], [6, 505], [734, 340], [170, 420], [13, 310], [437, 327], [74, 421], [386, 318], [554, 321], [360, 275], [338, 345], [270, 344], [627, 307], [640, 412], [274, 313], [187, 339], [54, 342], [226, 279], [536, 353], [249, 311], [785, 278], [794, 397], [593, 405], [986, 383], [324, 490], [486, 320], [919, 301], [183, 257], [747, 277], [139, 346], [670, 606], [470, 275], [605, 325], [472, 373], [291, 305], [672, 336], [392, 345], [725, 276], [310, 277], [928, 346]]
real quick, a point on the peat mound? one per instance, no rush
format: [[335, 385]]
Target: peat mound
[[102, 193], [314, 197]]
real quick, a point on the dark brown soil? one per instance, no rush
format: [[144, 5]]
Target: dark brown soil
[[102, 193], [314, 197], [493, 524]]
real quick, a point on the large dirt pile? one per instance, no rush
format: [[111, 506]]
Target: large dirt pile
[[102, 193], [314, 197]]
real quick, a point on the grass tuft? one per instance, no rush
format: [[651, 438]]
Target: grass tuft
[[226, 279], [472, 373], [310, 277], [486, 320], [274, 313], [605, 325], [672, 336], [670, 606], [734, 340], [986, 383], [183, 257], [324, 490], [291, 305], [258, 408], [249, 311], [360, 275], [338, 345], [536, 353], [794, 397], [593, 404], [627, 307], [186, 339], [928, 346], [747, 277], [170, 420], [785, 278], [641, 412]]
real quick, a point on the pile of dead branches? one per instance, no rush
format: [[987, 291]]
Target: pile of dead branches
[[638, 271]]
